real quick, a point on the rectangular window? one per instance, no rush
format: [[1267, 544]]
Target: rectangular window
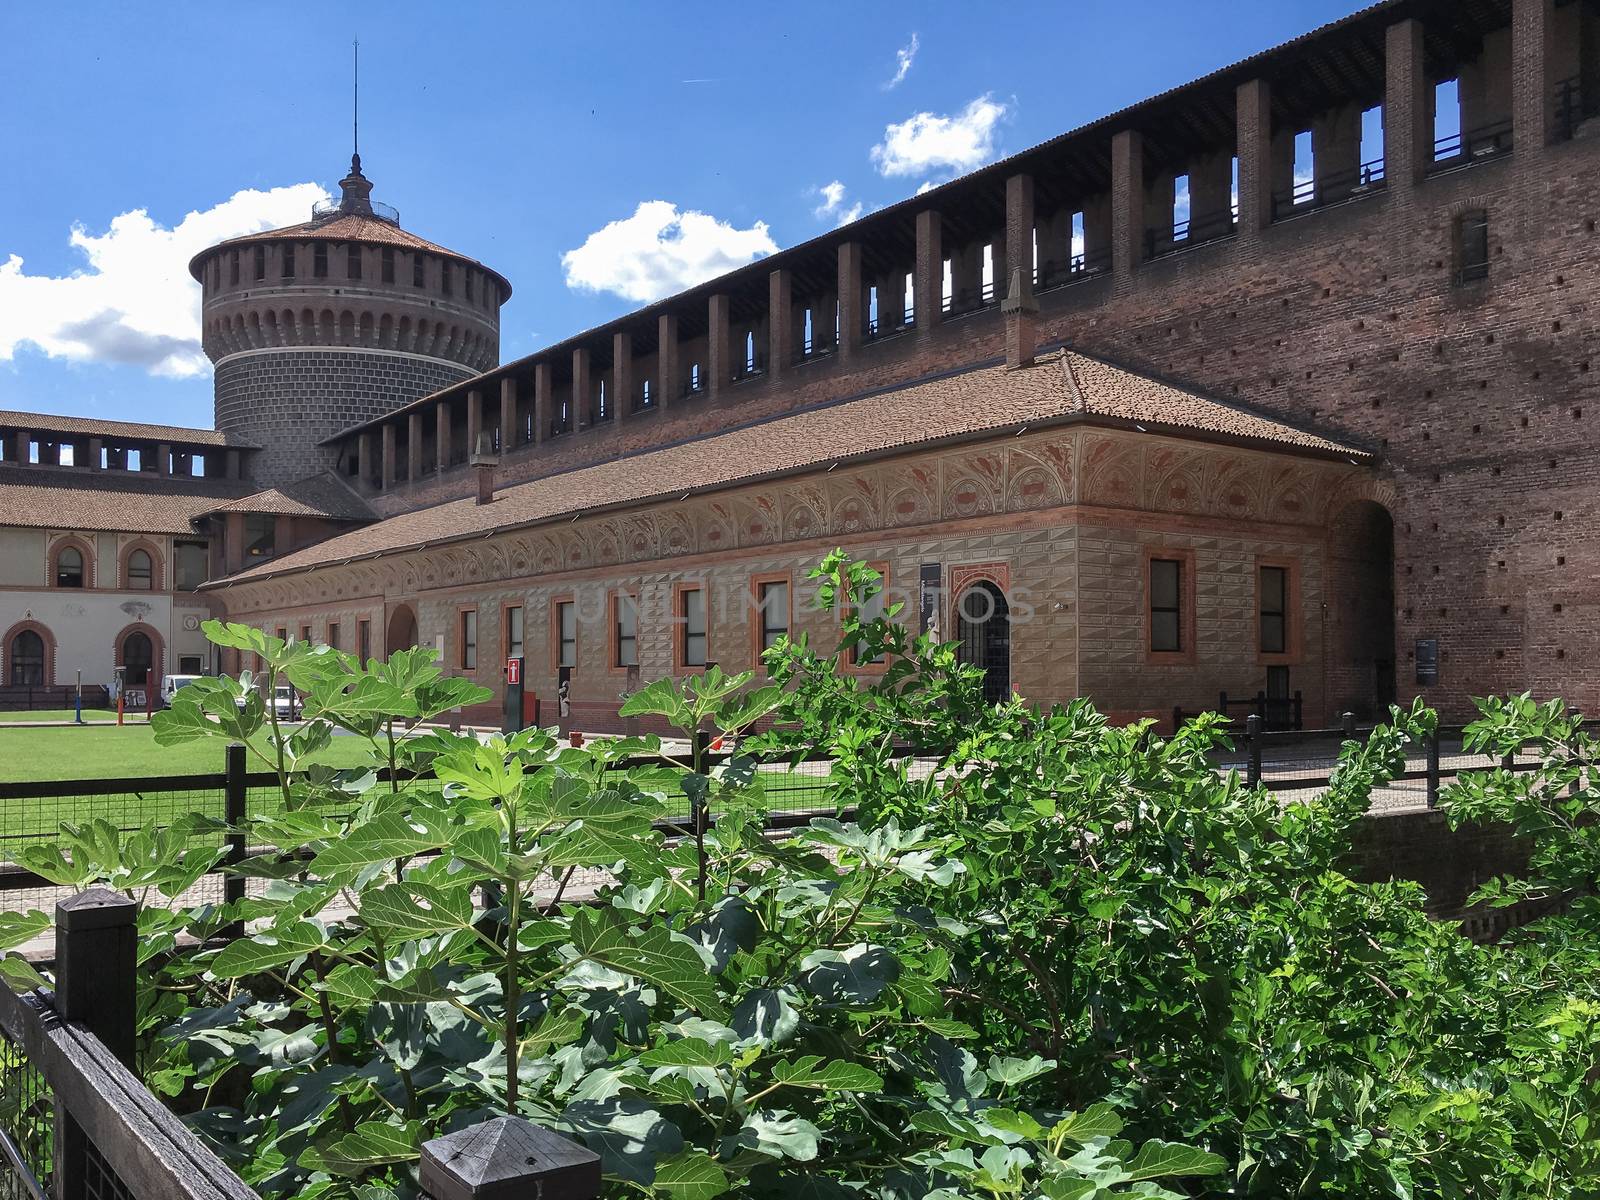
[[352, 259], [260, 530], [288, 261], [566, 630], [1274, 610], [190, 664], [692, 634], [1472, 246], [364, 640], [469, 640], [444, 278], [418, 271], [319, 260], [1166, 605], [772, 599], [283, 635], [388, 264], [305, 633], [261, 262], [190, 565], [625, 630], [333, 634], [233, 267], [514, 632]]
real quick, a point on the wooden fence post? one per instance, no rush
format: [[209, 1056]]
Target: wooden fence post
[[1347, 723], [97, 988], [508, 1158], [233, 812], [1252, 737], [1433, 768]]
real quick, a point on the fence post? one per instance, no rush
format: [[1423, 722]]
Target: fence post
[[1347, 723], [97, 988], [1433, 768], [508, 1158], [1252, 737], [233, 812]]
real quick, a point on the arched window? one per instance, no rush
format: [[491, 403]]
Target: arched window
[[25, 660], [140, 573], [137, 656], [69, 568]]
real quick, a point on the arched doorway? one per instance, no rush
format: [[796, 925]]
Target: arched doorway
[[1361, 646], [402, 632], [138, 660], [983, 627], [25, 660]]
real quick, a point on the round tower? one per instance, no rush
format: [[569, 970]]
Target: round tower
[[327, 324]]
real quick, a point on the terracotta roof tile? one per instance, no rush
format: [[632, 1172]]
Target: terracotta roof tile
[[124, 430], [324, 495], [1061, 386], [42, 497]]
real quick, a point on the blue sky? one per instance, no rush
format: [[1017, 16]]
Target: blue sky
[[514, 133]]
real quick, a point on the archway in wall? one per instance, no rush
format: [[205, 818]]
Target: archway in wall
[[1361, 627], [138, 657], [983, 627], [402, 631], [25, 660]]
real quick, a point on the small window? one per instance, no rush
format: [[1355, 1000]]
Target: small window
[[388, 264], [69, 568], [1274, 610], [692, 612], [444, 278], [469, 640], [288, 261], [352, 259], [772, 598], [566, 634], [418, 271], [140, 571], [625, 624], [233, 267], [364, 640], [305, 634], [319, 261], [333, 634], [1472, 246], [191, 664], [261, 262], [514, 632], [260, 530], [1166, 605]]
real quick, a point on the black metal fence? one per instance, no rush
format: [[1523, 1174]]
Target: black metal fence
[[34, 699]]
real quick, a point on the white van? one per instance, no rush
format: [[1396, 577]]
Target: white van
[[170, 685]]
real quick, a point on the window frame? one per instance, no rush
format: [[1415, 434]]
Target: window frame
[[364, 639], [1292, 612], [151, 576], [386, 265], [354, 268], [85, 565], [286, 261], [319, 260], [880, 664], [556, 641], [680, 626], [615, 636], [758, 613], [1476, 220], [467, 647], [506, 609], [1184, 557]]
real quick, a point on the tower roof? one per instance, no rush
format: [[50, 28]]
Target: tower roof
[[354, 217]]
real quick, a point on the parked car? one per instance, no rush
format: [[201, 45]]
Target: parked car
[[170, 685], [285, 702]]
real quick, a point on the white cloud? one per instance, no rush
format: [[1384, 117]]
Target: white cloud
[[135, 302], [925, 142], [660, 250], [833, 207], [903, 58]]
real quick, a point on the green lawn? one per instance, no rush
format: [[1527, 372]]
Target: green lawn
[[92, 715], [107, 752]]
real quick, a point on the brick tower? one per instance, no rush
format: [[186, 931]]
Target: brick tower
[[324, 325]]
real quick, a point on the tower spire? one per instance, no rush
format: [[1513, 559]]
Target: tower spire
[[355, 109]]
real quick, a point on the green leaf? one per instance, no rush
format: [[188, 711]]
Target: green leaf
[[267, 949], [382, 839], [687, 1052], [653, 956], [19, 927], [690, 1175], [413, 910], [371, 1144], [810, 1072], [1158, 1159], [778, 1135], [1096, 1121]]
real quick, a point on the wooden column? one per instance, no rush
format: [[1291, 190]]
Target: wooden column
[[474, 420], [1127, 202], [927, 286], [508, 412], [851, 315], [1407, 108]]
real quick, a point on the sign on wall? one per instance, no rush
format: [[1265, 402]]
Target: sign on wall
[[514, 670], [1427, 657]]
